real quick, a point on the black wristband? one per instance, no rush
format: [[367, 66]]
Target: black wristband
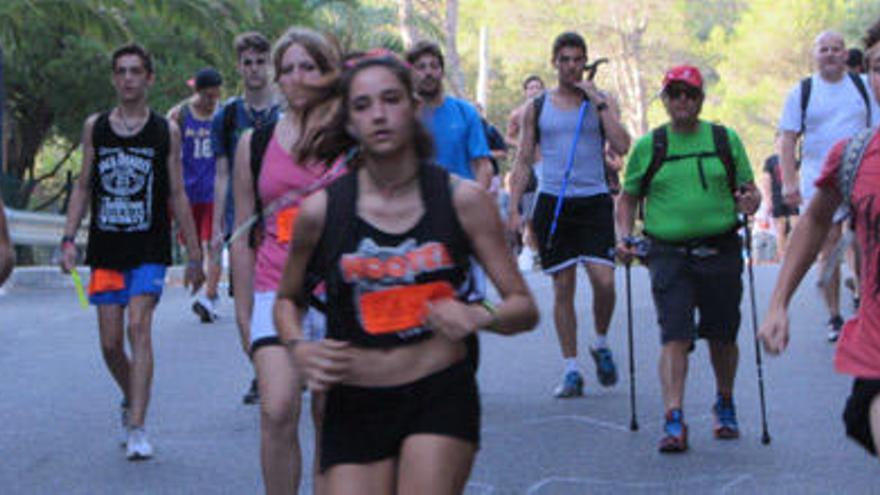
[[68, 238]]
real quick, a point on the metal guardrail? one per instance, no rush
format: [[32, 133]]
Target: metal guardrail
[[40, 229]]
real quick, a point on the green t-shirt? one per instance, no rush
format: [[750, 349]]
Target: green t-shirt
[[688, 197]]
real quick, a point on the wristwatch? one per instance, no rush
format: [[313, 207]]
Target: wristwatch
[[601, 107]]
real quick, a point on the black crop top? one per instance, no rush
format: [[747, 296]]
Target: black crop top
[[377, 282]]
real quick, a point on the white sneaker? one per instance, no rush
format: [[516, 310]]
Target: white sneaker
[[204, 308], [138, 447]]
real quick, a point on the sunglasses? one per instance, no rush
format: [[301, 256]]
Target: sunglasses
[[689, 92]]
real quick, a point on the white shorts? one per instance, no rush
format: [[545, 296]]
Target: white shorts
[[263, 327]]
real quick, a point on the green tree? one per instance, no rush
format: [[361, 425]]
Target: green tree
[[57, 67]]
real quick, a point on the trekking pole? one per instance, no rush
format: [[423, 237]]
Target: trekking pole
[[765, 435], [633, 422], [559, 199]]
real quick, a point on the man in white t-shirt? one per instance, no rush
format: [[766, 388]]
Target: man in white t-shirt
[[827, 107]]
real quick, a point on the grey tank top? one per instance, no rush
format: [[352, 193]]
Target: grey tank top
[[557, 133]]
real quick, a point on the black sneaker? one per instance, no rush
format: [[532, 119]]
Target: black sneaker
[[835, 323], [252, 396]]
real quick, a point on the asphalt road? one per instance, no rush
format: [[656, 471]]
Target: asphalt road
[[59, 424]]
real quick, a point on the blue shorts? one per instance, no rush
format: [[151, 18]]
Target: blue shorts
[[140, 280]]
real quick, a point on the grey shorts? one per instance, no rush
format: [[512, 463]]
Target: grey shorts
[[684, 284]]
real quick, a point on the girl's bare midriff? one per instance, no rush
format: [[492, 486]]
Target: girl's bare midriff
[[405, 364]]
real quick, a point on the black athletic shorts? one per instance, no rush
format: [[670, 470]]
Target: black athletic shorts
[[364, 425], [684, 281], [857, 414], [584, 231]]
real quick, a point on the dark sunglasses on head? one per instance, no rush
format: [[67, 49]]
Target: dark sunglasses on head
[[691, 93]]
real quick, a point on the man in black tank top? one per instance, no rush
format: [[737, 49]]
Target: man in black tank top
[[131, 171]]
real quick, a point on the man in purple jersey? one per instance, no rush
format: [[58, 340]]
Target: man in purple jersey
[[193, 116]]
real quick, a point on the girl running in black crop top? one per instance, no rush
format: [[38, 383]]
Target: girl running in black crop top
[[392, 242]]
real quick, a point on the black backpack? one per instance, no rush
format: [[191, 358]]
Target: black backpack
[[259, 143], [660, 156]]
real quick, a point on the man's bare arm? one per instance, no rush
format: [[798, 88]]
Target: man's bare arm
[[787, 162]]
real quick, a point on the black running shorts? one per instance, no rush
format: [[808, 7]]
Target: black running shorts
[[683, 284], [857, 414], [584, 231], [364, 425]]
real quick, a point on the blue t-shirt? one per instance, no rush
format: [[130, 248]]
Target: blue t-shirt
[[224, 145], [458, 134]]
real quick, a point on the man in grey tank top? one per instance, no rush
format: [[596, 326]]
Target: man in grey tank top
[[573, 218]]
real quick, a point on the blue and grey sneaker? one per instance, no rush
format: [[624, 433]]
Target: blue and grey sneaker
[[572, 386], [726, 427], [606, 371]]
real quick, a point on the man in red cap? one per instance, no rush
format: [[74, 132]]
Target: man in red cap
[[694, 178]]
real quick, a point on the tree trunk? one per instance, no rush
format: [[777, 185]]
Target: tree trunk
[[407, 22], [483, 74], [454, 73], [27, 135]]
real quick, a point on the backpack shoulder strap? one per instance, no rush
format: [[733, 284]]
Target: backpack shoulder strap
[[725, 154], [341, 211], [230, 109], [660, 146], [259, 143], [806, 89], [850, 163], [863, 91], [538, 105]]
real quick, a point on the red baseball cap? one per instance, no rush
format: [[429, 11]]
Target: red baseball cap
[[687, 74]]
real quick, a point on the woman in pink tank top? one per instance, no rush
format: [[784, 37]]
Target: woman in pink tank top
[[304, 64]]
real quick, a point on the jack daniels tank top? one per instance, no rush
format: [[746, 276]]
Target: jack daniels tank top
[[130, 223]]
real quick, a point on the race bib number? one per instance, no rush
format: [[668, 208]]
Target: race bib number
[[400, 308], [104, 280], [284, 224]]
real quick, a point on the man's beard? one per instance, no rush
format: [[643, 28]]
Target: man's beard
[[428, 93]]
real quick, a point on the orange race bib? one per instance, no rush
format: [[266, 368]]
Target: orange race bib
[[400, 308], [105, 280], [284, 224]]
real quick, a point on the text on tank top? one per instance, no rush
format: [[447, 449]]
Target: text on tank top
[[197, 157], [557, 134], [129, 196], [378, 283]]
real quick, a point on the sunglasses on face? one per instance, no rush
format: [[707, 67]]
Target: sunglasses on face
[[675, 92]]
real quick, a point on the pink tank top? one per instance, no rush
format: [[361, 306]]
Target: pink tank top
[[280, 175]]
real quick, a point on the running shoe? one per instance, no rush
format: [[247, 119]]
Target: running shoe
[[606, 371], [674, 433], [138, 448], [123, 419], [572, 386], [726, 427], [204, 309], [252, 396], [835, 323]]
